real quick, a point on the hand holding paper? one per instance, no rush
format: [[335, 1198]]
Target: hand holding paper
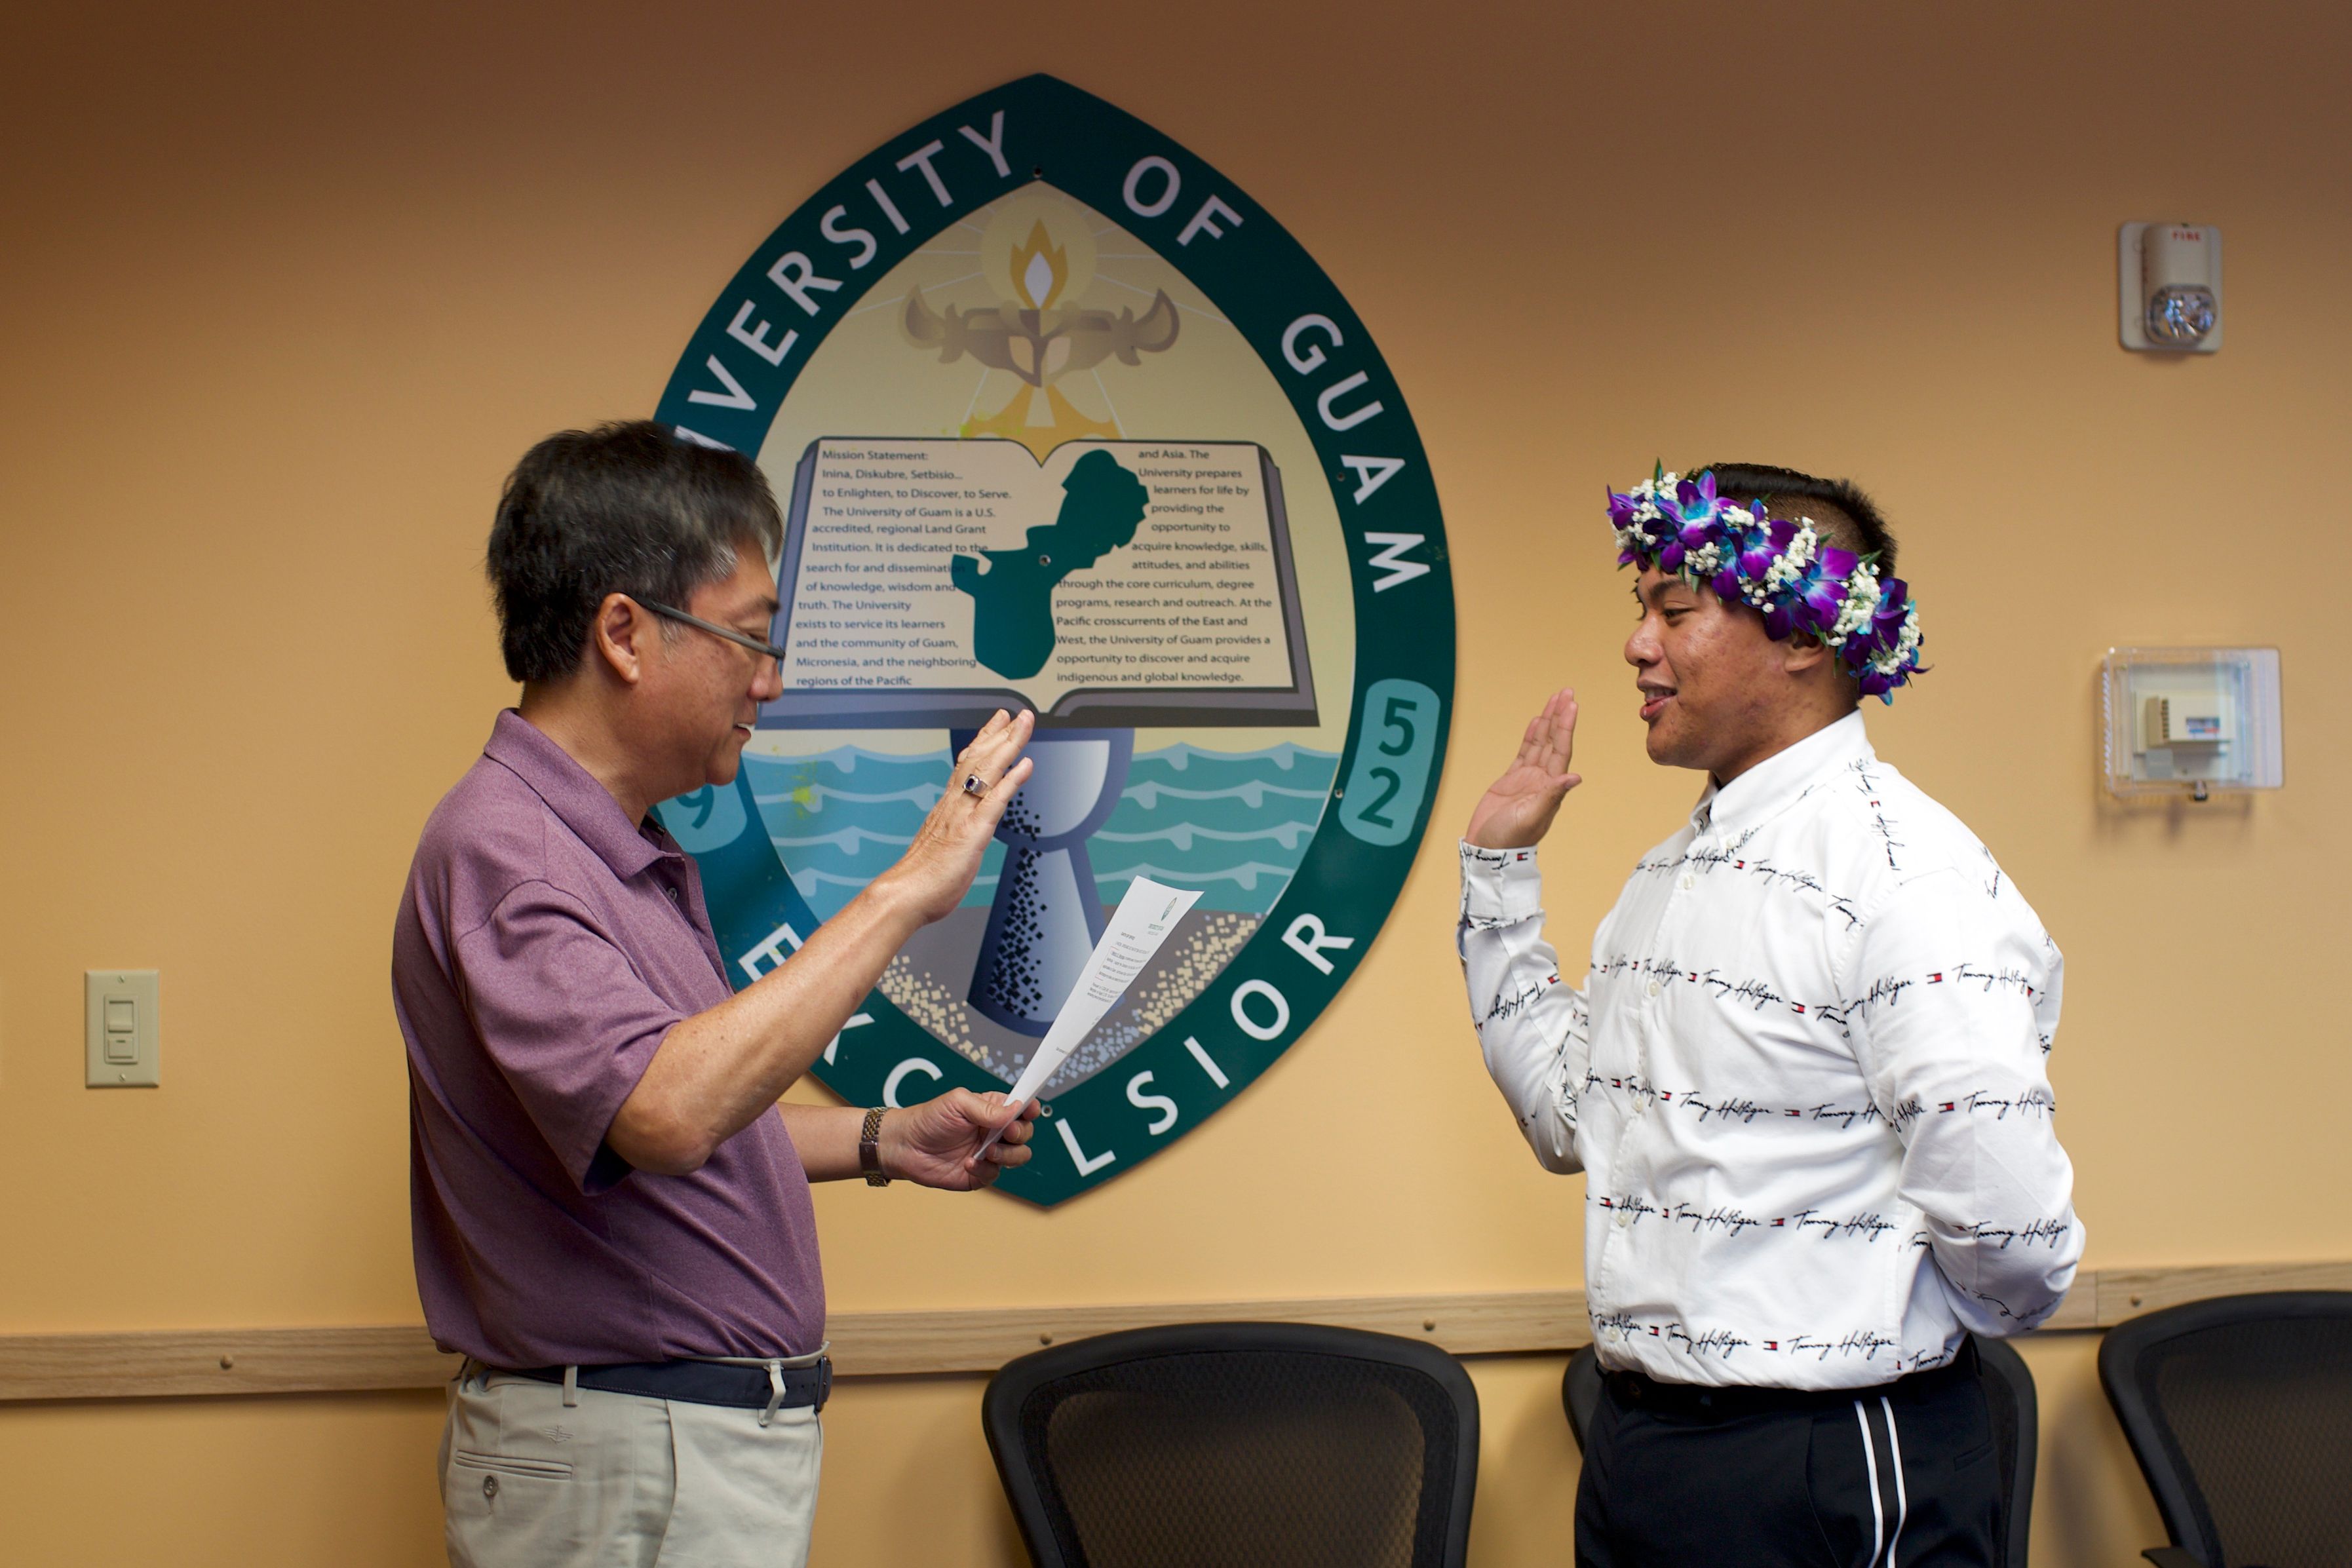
[[1141, 923]]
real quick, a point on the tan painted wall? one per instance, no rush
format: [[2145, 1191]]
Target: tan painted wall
[[282, 296]]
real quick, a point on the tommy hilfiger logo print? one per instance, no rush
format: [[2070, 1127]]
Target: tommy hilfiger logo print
[[1861, 1343], [2033, 1102], [1516, 1002], [1730, 859], [1713, 1341], [1632, 1209], [1845, 1118], [1754, 994], [1723, 1343], [1995, 979], [1869, 1226], [1743, 1111], [2044, 1231], [1867, 781]]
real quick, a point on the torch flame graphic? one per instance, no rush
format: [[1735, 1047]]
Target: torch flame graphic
[[1040, 268]]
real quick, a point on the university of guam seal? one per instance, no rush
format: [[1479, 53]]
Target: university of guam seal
[[1063, 419]]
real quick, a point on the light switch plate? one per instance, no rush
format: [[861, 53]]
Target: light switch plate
[[117, 1058]]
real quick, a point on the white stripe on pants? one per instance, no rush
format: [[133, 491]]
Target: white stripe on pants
[[620, 1480]]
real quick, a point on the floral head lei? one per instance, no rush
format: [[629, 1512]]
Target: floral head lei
[[1779, 567]]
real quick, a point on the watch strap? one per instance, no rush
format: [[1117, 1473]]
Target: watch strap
[[869, 1149]]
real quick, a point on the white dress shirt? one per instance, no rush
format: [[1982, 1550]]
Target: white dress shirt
[[1804, 1078]]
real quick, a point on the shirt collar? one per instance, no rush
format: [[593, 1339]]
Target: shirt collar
[[573, 793], [1780, 780]]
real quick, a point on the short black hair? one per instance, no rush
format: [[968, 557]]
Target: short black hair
[[1786, 491], [627, 507]]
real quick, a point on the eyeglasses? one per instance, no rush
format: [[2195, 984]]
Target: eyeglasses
[[766, 649]]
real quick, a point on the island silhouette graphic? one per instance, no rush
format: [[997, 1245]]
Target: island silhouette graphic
[[1012, 590]]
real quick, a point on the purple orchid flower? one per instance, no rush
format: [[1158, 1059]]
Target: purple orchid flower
[[1821, 592], [1696, 500], [1893, 605], [1620, 516], [1883, 636], [1740, 543]]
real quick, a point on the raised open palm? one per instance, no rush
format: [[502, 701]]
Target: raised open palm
[[1517, 809]]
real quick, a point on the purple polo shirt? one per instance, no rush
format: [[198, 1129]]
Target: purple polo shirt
[[545, 945]]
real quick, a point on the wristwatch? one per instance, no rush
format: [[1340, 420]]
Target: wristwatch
[[869, 1149]]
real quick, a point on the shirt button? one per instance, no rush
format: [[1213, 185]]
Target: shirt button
[[1689, 882], [1655, 988], [1625, 1218], [671, 892], [1612, 1333]]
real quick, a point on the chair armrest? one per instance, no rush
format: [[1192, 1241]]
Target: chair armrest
[[2173, 1557]]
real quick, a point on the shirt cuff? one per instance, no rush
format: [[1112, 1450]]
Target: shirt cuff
[[1500, 886]]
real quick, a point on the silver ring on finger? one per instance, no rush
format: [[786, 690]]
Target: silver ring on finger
[[973, 787]]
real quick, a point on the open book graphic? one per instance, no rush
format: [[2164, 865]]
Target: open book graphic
[[929, 583]]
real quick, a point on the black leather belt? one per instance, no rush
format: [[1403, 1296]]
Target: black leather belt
[[1636, 1390], [702, 1381]]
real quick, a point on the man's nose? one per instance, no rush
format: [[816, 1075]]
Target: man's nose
[[1642, 647]]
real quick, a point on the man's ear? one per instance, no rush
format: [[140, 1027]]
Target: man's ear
[[1802, 655], [618, 636]]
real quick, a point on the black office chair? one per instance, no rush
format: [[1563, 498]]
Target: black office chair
[[2016, 1436], [2239, 1412], [1208, 1444], [2009, 1395]]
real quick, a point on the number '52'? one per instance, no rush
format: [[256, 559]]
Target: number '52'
[[1381, 800]]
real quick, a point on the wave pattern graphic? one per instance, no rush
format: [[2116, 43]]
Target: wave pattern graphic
[[1232, 824]]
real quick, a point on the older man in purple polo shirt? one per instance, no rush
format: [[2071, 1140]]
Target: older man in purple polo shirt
[[611, 1209]]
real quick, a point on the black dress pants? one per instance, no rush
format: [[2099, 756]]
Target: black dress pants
[[1906, 1474]]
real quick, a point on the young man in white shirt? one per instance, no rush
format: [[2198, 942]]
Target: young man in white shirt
[[1804, 1075]]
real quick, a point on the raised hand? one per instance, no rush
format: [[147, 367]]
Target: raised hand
[[937, 1143], [937, 869], [1517, 809]]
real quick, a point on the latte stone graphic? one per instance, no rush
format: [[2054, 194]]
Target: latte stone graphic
[[1047, 916]]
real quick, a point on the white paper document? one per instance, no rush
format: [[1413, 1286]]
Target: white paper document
[[1143, 921]]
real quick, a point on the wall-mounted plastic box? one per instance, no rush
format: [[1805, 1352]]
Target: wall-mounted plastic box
[[2192, 721]]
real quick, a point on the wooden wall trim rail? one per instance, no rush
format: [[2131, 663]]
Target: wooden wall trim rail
[[184, 1361]]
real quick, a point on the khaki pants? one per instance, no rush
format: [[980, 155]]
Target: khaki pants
[[619, 1480]]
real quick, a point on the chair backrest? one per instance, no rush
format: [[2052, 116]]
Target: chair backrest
[[2016, 1436], [2239, 1412], [2009, 1396], [1580, 1393], [1204, 1445]]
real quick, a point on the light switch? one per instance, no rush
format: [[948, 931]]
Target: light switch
[[123, 1049]]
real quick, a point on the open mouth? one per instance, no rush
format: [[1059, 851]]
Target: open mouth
[[1655, 700]]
